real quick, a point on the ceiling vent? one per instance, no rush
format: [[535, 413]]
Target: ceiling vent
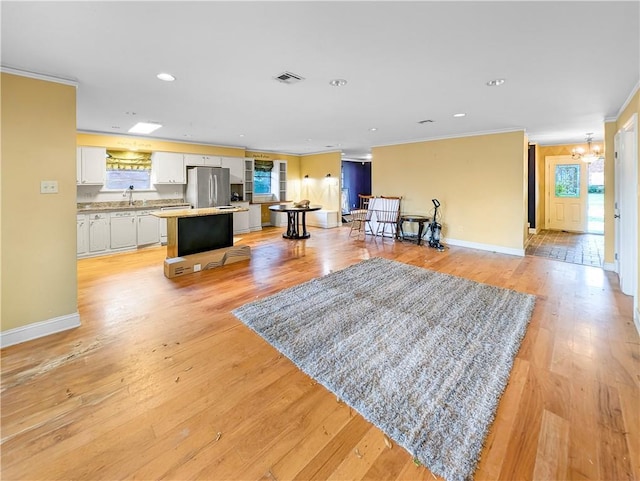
[[288, 78], [428, 121]]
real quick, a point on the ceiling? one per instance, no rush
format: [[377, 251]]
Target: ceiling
[[567, 66]]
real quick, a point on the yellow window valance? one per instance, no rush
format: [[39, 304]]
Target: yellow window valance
[[127, 160], [263, 165]]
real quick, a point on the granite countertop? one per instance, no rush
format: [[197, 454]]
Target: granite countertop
[[166, 214], [124, 205]]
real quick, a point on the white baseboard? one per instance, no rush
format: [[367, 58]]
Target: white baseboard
[[636, 320], [485, 247], [39, 329], [609, 266], [533, 230]]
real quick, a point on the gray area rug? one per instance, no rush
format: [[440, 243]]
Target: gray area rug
[[422, 355]]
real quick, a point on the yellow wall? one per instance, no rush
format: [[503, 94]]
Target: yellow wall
[[479, 180], [153, 145], [38, 230], [609, 192], [319, 188]]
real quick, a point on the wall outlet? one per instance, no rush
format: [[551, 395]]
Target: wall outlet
[[48, 186]]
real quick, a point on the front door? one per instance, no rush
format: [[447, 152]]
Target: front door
[[566, 206]]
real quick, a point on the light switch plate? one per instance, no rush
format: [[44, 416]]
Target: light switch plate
[[48, 186]]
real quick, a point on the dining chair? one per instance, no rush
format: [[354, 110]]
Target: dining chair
[[361, 217], [387, 215]]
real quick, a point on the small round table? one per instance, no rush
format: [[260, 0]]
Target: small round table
[[293, 219], [419, 219]]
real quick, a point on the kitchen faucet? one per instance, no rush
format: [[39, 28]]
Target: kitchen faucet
[[130, 192]]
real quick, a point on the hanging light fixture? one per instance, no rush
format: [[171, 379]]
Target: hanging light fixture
[[591, 155]]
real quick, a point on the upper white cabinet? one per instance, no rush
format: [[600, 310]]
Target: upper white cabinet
[[236, 168], [91, 165], [196, 160], [168, 168]]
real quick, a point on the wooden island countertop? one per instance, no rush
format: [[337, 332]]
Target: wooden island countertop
[[169, 214]]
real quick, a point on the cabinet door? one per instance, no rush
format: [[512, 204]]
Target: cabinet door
[[212, 161], [93, 165], [193, 160], [248, 180], [282, 181], [82, 244], [148, 229], [241, 222], [98, 232], [123, 230], [168, 168], [236, 168], [255, 217]]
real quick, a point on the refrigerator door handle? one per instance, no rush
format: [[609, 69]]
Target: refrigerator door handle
[[215, 192], [210, 190]]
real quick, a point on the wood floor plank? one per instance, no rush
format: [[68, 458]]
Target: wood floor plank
[[552, 455], [160, 366]]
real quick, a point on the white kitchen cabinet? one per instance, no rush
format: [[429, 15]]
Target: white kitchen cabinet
[[241, 219], [123, 229], [148, 228], [82, 244], [91, 165], [282, 180], [248, 180], [98, 232], [196, 160], [236, 168], [168, 168], [255, 217]]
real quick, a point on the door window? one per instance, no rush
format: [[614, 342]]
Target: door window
[[567, 180]]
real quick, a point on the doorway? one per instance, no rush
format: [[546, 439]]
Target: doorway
[[356, 179], [595, 201]]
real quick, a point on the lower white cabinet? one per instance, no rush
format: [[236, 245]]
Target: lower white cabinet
[[255, 217], [123, 229], [98, 232], [148, 228], [241, 219], [82, 244]]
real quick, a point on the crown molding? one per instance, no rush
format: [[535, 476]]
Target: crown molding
[[39, 76], [455, 136], [634, 90]]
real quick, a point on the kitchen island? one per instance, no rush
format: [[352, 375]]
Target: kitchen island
[[199, 239]]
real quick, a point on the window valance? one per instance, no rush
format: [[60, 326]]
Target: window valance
[[263, 165]]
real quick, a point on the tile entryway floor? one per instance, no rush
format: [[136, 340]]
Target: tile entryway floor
[[585, 249]]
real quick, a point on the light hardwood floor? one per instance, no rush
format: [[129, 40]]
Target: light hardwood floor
[[161, 381]]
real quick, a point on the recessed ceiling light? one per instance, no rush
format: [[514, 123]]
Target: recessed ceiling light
[[167, 77], [495, 82], [459, 115], [144, 128], [338, 82], [241, 135], [373, 129]]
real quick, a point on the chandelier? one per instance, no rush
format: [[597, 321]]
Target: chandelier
[[591, 155]]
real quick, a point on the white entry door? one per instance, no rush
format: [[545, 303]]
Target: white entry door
[[567, 196]]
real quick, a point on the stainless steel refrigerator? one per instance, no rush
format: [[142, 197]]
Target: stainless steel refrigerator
[[208, 187]]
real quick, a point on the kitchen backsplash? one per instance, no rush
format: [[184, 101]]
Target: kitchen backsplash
[[93, 193]]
